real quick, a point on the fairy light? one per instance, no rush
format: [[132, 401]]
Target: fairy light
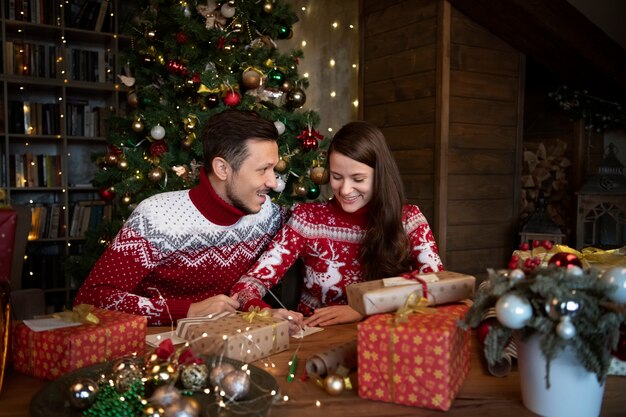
[[333, 94], [318, 403]]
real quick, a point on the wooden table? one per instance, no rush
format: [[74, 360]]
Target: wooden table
[[482, 395]]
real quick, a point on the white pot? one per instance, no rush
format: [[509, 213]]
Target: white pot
[[573, 392]]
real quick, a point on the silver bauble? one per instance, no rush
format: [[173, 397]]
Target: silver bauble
[[218, 372], [236, 384], [82, 393], [194, 376]]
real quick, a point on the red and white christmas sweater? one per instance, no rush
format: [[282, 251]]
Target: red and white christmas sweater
[[178, 248], [328, 240]]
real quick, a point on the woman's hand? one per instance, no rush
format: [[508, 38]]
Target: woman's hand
[[295, 319], [213, 305], [327, 316]]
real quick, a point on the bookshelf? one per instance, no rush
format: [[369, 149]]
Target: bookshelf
[[58, 85]]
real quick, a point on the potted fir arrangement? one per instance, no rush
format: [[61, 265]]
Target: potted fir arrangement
[[565, 321]]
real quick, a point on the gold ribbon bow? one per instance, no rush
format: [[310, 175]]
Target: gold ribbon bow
[[82, 313], [256, 312], [415, 303]]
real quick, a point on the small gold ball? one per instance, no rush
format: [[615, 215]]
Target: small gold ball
[[300, 190], [111, 159], [132, 99], [319, 175], [156, 174], [333, 384], [137, 125], [281, 166], [268, 7], [122, 164]]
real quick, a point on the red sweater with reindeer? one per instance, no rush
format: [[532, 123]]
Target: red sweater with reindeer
[[178, 248], [328, 241]]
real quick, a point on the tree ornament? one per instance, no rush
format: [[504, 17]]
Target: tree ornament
[[137, 125], [280, 184], [191, 121], [282, 165], [300, 190], [275, 77], [111, 159], [319, 175], [516, 275], [158, 148], [181, 37], [107, 194], [185, 407], [616, 277], [176, 66], [125, 373], [309, 139], [82, 393], [268, 7], [228, 9], [151, 34], [122, 164], [189, 140], [334, 384], [313, 193], [564, 260], [156, 174], [285, 32], [286, 86], [296, 98], [127, 199], [251, 78], [153, 411], [236, 384], [165, 395], [194, 376], [232, 98], [218, 372], [157, 132], [280, 127], [211, 100], [132, 98], [566, 329], [161, 374], [513, 311]]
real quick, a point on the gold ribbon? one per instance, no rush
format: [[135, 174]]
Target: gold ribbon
[[591, 255], [415, 303], [204, 89], [82, 313], [256, 312]]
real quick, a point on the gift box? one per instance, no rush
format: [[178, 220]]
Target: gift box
[[421, 362], [386, 295], [589, 257], [244, 337], [52, 353]]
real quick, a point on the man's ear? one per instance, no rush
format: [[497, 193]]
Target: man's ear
[[221, 168]]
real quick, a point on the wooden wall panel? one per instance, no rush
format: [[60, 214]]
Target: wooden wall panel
[[483, 86], [385, 15], [409, 137], [401, 88], [471, 136], [404, 38], [418, 186], [477, 212], [478, 187], [482, 236], [473, 261], [470, 161], [488, 61], [483, 112], [400, 64], [415, 161], [401, 113]]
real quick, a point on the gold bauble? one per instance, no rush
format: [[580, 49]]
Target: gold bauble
[[268, 7], [156, 174], [251, 79], [137, 125], [126, 200], [286, 86], [319, 175], [132, 99], [190, 123], [188, 142], [334, 384], [281, 166], [300, 190], [122, 164], [111, 159]]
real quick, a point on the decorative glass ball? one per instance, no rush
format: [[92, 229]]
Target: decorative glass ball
[[156, 174], [313, 193], [296, 98], [228, 10], [564, 260], [281, 166], [137, 125], [111, 159], [251, 79], [82, 393], [194, 376], [280, 184], [300, 190], [157, 132], [185, 407], [162, 373], [616, 277], [232, 98], [132, 99], [517, 275], [275, 77], [165, 395], [218, 372], [280, 127], [268, 7], [236, 384], [285, 32], [319, 175], [211, 100], [513, 311], [334, 384], [286, 86], [125, 373]]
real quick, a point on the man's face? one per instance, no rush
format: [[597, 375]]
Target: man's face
[[247, 188]]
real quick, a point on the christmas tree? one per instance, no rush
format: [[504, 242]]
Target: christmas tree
[[187, 61]]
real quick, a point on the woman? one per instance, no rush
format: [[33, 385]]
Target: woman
[[365, 232]]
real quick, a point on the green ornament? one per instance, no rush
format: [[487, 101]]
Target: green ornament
[[275, 77], [313, 193], [285, 32]]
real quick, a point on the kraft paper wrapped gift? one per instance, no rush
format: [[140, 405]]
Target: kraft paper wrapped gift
[[421, 362], [52, 353], [235, 336], [386, 295]]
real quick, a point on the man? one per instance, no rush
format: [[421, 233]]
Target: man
[[180, 252]]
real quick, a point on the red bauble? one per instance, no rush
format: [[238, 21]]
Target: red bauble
[[232, 98], [158, 148], [565, 260], [115, 150], [484, 327], [524, 246], [309, 139], [176, 66], [107, 194], [620, 350], [181, 37]]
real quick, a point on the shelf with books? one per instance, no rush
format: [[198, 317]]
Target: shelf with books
[[58, 87]]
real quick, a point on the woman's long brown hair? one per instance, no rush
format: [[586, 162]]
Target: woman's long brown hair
[[385, 249]]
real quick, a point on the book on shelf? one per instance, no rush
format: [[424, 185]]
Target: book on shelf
[[87, 215], [30, 170]]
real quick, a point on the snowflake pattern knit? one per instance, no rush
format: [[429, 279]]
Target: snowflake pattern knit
[[327, 239], [178, 248]]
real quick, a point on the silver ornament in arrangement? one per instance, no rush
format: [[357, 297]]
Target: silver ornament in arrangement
[[516, 275], [82, 393], [184, 407], [125, 373], [513, 311], [564, 310], [236, 384], [218, 372], [165, 395], [194, 376], [616, 277]]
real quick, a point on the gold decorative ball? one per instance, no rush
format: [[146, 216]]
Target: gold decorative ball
[[268, 7], [122, 164], [281, 166], [300, 190], [189, 140], [286, 86], [132, 99], [156, 174], [251, 79], [111, 159], [334, 384], [137, 125], [319, 175]]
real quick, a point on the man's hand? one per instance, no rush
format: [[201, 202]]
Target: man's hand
[[295, 319], [327, 316], [213, 305]]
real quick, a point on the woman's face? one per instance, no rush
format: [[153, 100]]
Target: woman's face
[[352, 182]]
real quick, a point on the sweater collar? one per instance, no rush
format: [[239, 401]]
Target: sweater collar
[[358, 218], [211, 205]]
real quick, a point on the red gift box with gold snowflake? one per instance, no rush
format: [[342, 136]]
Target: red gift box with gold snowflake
[[420, 362], [52, 353]]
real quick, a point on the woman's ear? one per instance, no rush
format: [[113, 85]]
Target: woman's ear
[[221, 168]]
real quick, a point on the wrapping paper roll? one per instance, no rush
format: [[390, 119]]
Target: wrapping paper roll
[[327, 362]]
